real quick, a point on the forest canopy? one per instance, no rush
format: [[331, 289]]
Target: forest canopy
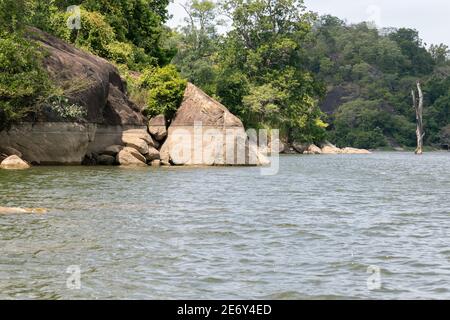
[[279, 63]]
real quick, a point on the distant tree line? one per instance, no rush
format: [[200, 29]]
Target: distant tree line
[[279, 62]]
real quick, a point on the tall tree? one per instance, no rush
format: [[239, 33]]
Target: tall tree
[[265, 53], [198, 44]]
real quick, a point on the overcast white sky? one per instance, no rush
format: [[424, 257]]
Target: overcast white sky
[[430, 17]]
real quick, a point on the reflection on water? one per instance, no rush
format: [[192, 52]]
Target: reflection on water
[[310, 232]]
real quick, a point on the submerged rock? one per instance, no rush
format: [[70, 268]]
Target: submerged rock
[[4, 210], [14, 163]]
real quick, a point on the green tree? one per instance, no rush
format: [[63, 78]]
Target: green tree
[[420, 60], [198, 45], [440, 53], [23, 82], [265, 52], [164, 88]]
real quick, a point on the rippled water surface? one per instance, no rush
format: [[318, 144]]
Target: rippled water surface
[[310, 232]]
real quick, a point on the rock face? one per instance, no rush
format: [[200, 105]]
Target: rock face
[[204, 132], [99, 89], [137, 143], [14, 163], [99, 85]]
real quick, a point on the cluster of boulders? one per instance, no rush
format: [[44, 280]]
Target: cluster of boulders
[[138, 149], [325, 148], [203, 132]]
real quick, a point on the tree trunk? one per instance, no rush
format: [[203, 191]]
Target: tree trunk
[[418, 106]]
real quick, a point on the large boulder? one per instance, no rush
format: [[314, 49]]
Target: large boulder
[[136, 143], [313, 149], [130, 157], [90, 82], [329, 148], [349, 150], [300, 147], [157, 127], [93, 82], [204, 132], [14, 163], [153, 154]]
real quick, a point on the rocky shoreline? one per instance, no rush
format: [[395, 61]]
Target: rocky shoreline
[[324, 148], [115, 132]]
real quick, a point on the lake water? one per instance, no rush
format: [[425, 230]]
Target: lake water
[[313, 231]]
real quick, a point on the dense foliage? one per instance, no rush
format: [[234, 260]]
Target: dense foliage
[[130, 33], [370, 74], [23, 82], [277, 61], [258, 69], [275, 65], [165, 90]]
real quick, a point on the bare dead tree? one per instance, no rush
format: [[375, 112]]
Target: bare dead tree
[[418, 106]]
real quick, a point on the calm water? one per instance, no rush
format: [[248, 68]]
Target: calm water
[[310, 232]]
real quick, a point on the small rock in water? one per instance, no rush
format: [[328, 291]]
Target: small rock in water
[[14, 163], [5, 210]]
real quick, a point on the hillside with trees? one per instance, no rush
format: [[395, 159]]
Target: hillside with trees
[[275, 57], [276, 65]]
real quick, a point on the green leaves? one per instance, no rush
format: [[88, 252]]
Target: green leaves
[[165, 89], [23, 82], [265, 55]]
